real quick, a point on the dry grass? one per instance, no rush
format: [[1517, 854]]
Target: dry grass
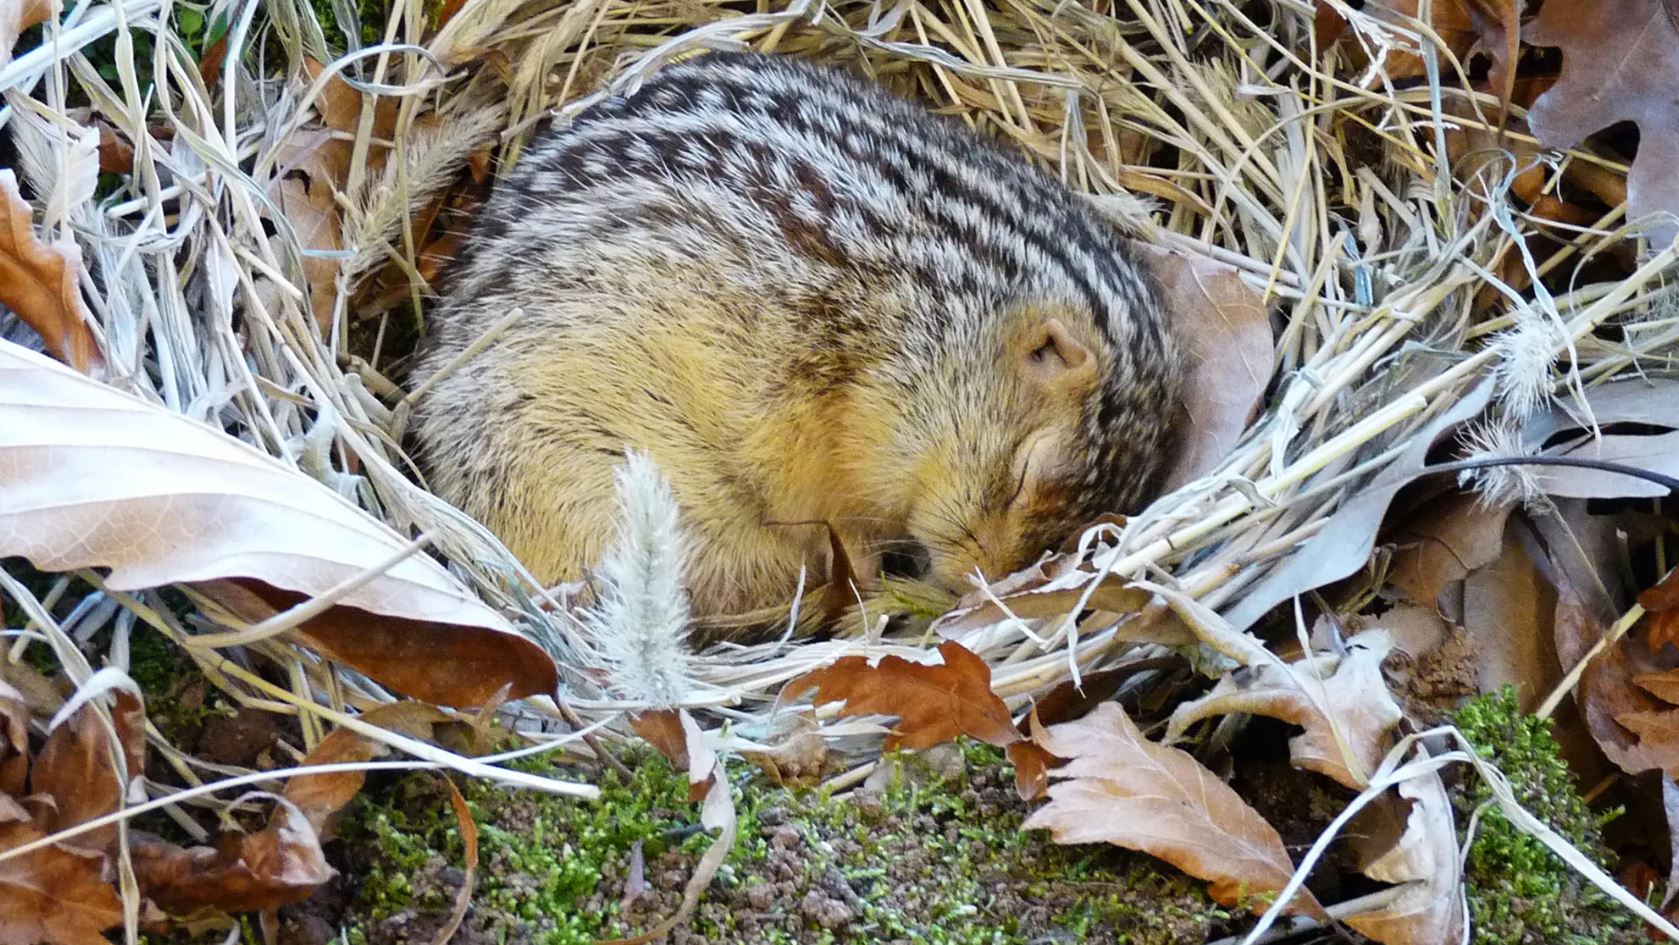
[[1334, 193]]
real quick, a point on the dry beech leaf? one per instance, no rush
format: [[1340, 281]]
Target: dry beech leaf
[[1342, 703], [1226, 334], [1431, 910], [94, 477], [38, 281], [55, 895], [1620, 62], [1344, 544], [1118, 787], [251, 872], [934, 703]]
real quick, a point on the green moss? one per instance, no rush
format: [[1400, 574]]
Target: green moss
[[1520, 893], [929, 861]]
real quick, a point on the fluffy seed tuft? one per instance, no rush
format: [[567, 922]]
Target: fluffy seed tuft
[[640, 616], [1500, 485]]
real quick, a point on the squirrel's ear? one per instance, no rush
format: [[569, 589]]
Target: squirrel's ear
[[1049, 356]]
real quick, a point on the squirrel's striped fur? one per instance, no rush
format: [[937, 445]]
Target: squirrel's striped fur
[[811, 302]]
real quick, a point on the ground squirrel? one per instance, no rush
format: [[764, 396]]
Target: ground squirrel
[[811, 302]]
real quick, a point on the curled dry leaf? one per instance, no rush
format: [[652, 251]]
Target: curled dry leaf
[[252, 872], [1222, 324], [1118, 787], [1662, 603], [308, 207], [54, 895], [94, 477], [38, 281], [1620, 62], [934, 703], [1431, 910], [1342, 703]]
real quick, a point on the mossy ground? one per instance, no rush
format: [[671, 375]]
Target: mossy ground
[[934, 858], [1520, 893]]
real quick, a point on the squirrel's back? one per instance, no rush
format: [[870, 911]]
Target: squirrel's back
[[812, 302]]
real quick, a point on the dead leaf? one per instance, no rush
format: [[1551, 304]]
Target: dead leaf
[[310, 211], [75, 768], [54, 895], [1344, 544], [250, 872], [14, 741], [934, 703], [1620, 62], [1508, 610], [1462, 25], [1224, 329], [1443, 542], [1342, 703], [1656, 453], [1632, 728], [1431, 910], [94, 477], [319, 796], [17, 16], [38, 281], [1662, 603], [1123, 789]]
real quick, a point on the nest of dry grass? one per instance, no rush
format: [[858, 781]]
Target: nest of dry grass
[[230, 285]]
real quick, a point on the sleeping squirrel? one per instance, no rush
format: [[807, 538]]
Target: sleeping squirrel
[[816, 306]]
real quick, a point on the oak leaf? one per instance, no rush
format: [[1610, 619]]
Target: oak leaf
[[1425, 857], [1118, 787], [252, 872], [38, 281], [54, 895], [934, 703], [1342, 703], [94, 477], [1620, 62]]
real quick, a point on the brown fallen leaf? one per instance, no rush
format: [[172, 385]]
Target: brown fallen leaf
[[1611, 703], [54, 895], [1662, 604], [1462, 25], [309, 209], [75, 768], [38, 281], [14, 741], [319, 796], [1342, 703], [96, 478], [1442, 542], [252, 872], [1226, 332], [1620, 62], [1118, 787], [1431, 910], [17, 16], [1507, 612], [934, 703]]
